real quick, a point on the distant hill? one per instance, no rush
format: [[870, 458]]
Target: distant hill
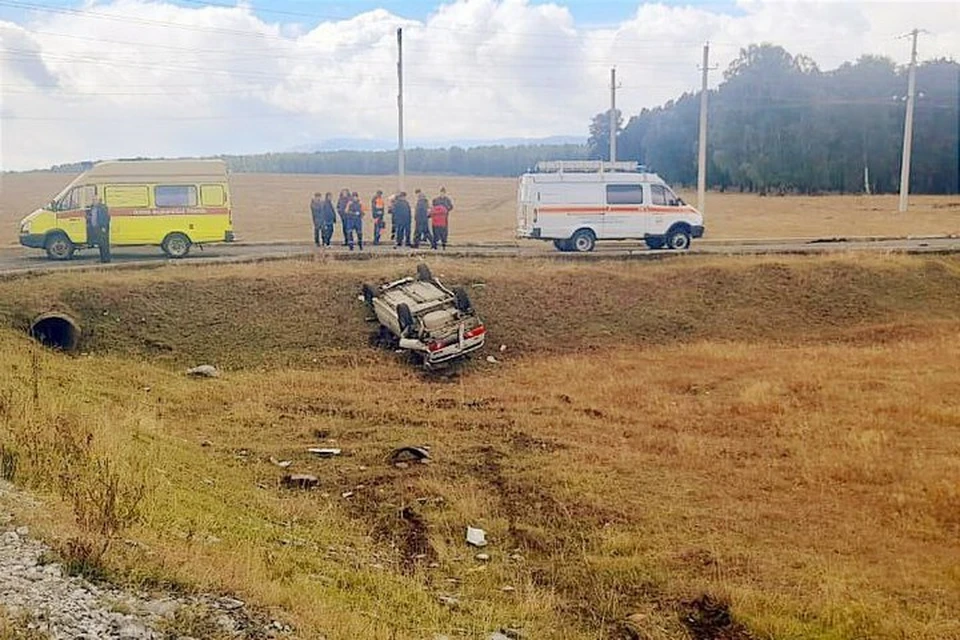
[[382, 144]]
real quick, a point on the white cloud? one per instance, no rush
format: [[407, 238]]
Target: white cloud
[[132, 77]]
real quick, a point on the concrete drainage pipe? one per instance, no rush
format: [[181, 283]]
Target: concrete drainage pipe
[[56, 330]]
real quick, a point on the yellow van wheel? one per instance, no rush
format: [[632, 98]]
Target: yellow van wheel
[[59, 246], [176, 245]]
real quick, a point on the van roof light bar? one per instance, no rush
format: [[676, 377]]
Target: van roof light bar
[[588, 166]]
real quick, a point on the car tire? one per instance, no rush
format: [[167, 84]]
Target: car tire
[[369, 293], [462, 300], [561, 245], [678, 239], [654, 242], [59, 246], [176, 245], [404, 318], [423, 273], [583, 241]]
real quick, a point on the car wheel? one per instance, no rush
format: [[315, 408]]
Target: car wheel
[[423, 273], [583, 241], [654, 242], [405, 318], [369, 293], [678, 240], [462, 300], [176, 245], [561, 245], [59, 246]]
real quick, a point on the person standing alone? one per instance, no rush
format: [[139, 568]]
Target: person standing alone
[[100, 217]]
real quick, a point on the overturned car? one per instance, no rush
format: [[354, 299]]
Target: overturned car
[[424, 317]]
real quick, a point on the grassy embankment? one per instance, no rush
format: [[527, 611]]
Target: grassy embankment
[[780, 435]]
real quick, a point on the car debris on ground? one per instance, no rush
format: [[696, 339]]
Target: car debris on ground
[[204, 371], [476, 537], [324, 452], [409, 454], [299, 481]]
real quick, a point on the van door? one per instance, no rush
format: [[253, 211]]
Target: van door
[[665, 209], [625, 216], [72, 212]]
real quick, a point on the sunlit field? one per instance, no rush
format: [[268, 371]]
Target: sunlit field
[[275, 207]]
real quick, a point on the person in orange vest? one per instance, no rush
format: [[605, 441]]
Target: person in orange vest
[[377, 211]]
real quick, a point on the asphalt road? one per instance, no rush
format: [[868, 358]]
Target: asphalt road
[[16, 260]]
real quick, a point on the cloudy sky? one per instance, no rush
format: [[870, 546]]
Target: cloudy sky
[[120, 78]]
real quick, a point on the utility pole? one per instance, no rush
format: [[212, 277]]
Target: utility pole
[[613, 114], [702, 145], [908, 125], [401, 160]]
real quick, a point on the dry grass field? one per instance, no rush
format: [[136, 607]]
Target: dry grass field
[[699, 449], [274, 207]]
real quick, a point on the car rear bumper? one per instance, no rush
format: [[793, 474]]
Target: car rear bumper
[[435, 358], [33, 240]]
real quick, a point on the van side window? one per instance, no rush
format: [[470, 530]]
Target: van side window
[[126, 195], [659, 195], [624, 194], [78, 198], [212, 195], [179, 195]]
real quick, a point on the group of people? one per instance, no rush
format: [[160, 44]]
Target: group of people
[[426, 221]]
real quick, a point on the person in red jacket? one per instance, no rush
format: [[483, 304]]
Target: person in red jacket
[[439, 217]]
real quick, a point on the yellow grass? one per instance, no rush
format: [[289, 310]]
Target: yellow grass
[[274, 207], [779, 434]]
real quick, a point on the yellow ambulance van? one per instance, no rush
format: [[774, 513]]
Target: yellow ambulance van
[[173, 204]]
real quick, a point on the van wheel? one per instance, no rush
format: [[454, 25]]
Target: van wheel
[[176, 245], [423, 273], [654, 243], [561, 245], [59, 246], [583, 241], [462, 300], [404, 318], [678, 239]]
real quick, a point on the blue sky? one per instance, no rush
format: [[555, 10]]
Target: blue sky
[[586, 12]]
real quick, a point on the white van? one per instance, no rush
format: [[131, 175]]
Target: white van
[[576, 203]]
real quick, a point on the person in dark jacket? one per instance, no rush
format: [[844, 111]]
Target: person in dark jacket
[[354, 221], [444, 199], [377, 212], [100, 219], [342, 203], [316, 213], [421, 228], [401, 218], [328, 218]]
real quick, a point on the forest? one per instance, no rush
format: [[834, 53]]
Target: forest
[[777, 123]]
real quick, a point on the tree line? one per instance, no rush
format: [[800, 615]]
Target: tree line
[[778, 123]]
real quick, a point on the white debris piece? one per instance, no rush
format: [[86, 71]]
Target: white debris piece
[[324, 452], [492, 360], [204, 371], [476, 537]]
